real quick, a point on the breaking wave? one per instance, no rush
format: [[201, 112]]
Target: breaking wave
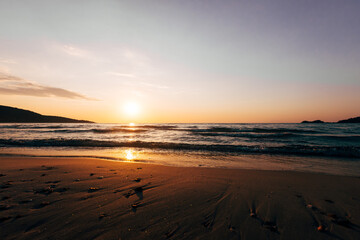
[[338, 151]]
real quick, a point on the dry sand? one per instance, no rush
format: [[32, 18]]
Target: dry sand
[[64, 198]]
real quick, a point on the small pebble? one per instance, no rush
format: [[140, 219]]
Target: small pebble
[[321, 228], [43, 204], [138, 189], [26, 201], [5, 207], [93, 189], [310, 206], [135, 205]]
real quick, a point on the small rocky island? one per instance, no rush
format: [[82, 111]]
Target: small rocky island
[[316, 121], [16, 115]]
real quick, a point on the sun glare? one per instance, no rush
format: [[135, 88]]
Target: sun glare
[[131, 108], [129, 154]]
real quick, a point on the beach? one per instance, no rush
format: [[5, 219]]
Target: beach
[[88, 198]]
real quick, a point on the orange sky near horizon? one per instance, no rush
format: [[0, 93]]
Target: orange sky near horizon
[[101, 112]]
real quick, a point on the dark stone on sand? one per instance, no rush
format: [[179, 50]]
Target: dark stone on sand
[[45, 191], [92, 174], [5, 207], [3, 219], [271, 226], [60, 190], [2, 175], [343, 222], [25, 201], [57, 181], [321, 228], [93, 189], [42, 204], [138, 189], [128, 194], [26, 180], [5, 185], [86, 197], [135, 205], [137, 179], [102, 216]]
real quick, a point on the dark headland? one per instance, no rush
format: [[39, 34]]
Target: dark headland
[[350, 120], [16, 115]]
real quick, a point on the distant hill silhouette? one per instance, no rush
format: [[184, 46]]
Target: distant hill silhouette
[[350, 120], [316, 121], [16, 115]]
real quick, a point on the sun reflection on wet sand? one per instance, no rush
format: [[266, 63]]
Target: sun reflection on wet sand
[[129, 154]]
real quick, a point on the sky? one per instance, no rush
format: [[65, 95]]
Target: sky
[[182, 61]]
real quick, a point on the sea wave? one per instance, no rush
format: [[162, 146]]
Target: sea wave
[[338, 151], [251, 130], [248, 135], [117, 130]]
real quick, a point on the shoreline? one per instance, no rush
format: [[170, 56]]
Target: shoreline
[[306, 164], [82, 198]]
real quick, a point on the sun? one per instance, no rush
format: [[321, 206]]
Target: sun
[[131, 109]]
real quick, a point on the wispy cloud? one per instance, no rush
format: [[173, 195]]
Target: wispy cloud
[[12, 85], [75, 51], [135, 81], [7, 61], [71, 50], [117, 74]]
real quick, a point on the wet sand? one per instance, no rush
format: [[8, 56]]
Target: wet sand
[[83, 198]]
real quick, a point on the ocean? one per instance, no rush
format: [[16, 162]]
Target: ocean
[[328, 148]]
